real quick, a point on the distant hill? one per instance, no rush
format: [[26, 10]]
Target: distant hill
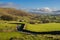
[[12, 11], [15, 14], [11, 14]]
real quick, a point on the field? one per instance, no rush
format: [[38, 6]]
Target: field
[[29, 20], [24, 36], [33, 27], [43, 27], [8, 31]]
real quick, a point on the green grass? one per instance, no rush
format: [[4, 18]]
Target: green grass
[[32, 27], [8, 35], [18, 35], [43, 27], [24, 36], [7, 26]]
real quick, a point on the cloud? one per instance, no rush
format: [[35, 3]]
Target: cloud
[[43, 10], [46, 9], [8, 5]]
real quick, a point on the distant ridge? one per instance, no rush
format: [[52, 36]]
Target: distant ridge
[[13, 11]]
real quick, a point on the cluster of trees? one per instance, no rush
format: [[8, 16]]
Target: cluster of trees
[[47, 18], [35, 19], [8, 18], [11, 14]]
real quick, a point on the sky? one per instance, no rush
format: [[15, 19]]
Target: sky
[[29, 4]]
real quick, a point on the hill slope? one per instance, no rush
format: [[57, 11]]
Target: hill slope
[[12, 11]]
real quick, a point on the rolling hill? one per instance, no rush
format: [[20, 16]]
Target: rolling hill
[[12, 11]]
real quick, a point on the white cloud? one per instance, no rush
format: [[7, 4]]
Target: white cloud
[[43, 10], [8, 5], [46, 9]]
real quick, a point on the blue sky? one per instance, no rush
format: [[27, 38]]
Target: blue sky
[[34, 3]]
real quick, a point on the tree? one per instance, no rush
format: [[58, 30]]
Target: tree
[[6, 17]]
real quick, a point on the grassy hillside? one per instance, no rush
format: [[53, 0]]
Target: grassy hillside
[[31, 27], [12, 11], [24, 36], [43, 27], [15, 14], [8, 31]]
